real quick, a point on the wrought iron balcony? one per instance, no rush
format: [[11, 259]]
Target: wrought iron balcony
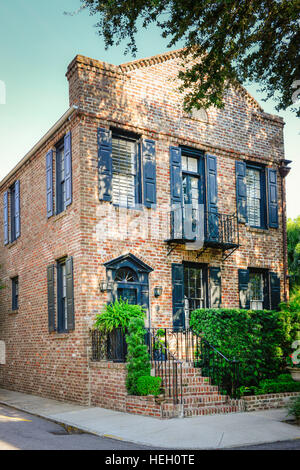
[[198, 229]]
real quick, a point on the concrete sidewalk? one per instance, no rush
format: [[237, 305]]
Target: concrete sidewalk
[[201, 432]]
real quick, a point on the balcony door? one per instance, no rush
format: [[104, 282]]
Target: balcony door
[[193, 190]]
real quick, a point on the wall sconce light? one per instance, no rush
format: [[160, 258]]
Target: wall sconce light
[[158, 291], [105, 286], [284, 169]]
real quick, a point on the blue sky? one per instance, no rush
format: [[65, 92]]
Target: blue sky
[[38, 42]]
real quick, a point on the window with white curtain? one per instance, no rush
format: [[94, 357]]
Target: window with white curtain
[[254, 196], [125, 168]]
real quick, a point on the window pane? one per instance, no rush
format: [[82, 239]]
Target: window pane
[[253, 196], [192, 164], [256, 286], [184, 163], [194, 288]]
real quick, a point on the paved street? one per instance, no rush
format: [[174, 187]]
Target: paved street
[[22, 431]]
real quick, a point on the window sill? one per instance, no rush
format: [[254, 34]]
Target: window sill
[[256, 229], [56, 335], [11, 244], [13, 312], [59, 216]]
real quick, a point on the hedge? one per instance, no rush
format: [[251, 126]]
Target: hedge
[[260, 340]]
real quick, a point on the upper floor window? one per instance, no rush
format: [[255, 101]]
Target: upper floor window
[[256, 197], [60, 179], [11, 213], [125, 171], [126, 168], [59, 189]]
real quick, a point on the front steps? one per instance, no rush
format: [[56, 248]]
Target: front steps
[[198, 396]]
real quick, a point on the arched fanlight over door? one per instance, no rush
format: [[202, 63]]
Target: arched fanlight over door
[[126, 275]]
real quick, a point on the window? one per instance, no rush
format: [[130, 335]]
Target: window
[[192, 187], [195, 287], [11, 213], [256, 198], [15, 293], [62, 312], [61, 316], [125, 171], [259, 289], [61, 189], [60, 179], [256, 284]]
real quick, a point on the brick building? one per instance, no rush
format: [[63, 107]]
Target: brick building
[[128, 196]]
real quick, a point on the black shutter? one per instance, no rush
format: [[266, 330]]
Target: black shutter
[[215, 287], [5, 218], [149, 172], [241, 191], [272, 198], [275, 290], [70, 294], [105, 164], [178, 296], [176, 193], [212, 228], [244, 291], [51, 298], [49, 183], [68, 167]]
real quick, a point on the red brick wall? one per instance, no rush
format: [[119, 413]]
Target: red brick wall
[[36, 361], [143, 99]]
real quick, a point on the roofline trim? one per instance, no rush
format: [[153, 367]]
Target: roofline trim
[[37, 146]]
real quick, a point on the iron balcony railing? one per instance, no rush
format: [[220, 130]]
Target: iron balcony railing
[[194, 225]]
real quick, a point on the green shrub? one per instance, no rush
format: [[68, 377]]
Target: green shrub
[[259, 340], [148, 385], [294, 408], [138, 360], [277, 386], [118, 315]]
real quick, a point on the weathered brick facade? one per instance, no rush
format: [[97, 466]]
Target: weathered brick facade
[[139, 97]]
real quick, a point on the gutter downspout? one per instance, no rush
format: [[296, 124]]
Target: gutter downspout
[[284, 171]]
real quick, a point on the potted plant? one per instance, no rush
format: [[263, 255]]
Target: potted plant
[[293, 368], [159, 346]]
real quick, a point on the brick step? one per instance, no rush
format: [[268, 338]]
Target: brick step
[[210, 410], [170, 410], [192, 388], [187, 380], [200, 399]]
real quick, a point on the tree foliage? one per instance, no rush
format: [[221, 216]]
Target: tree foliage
[[231, 40], [293, 241]]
